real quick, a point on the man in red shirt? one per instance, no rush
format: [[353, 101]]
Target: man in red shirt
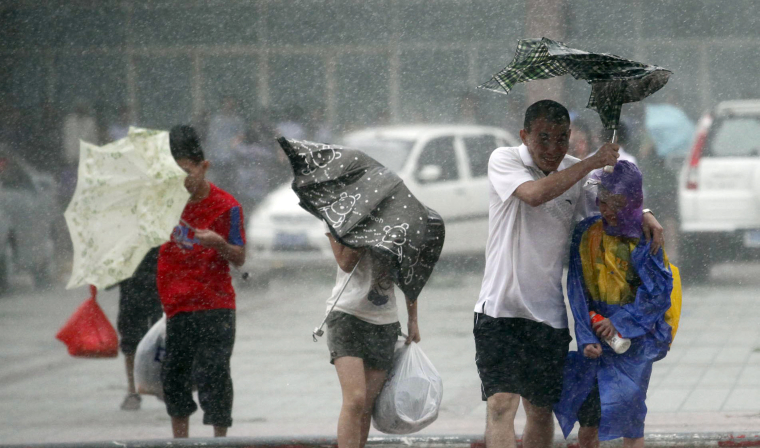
[[196, 292]]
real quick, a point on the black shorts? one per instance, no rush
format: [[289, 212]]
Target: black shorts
[[590, 413], [348, 335], [139, 304], [520, 356], [198, 350]]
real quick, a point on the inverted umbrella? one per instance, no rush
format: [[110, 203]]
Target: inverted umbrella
[[614, 80], [129, 196], [366, 205]]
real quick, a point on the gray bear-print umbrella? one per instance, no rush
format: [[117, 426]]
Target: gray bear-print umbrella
[[366, 205]]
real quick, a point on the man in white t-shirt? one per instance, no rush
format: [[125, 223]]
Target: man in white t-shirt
[[521, 334]]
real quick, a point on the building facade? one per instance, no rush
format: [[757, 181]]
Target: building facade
[[361, 62]]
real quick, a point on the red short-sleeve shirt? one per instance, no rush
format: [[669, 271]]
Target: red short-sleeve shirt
[[192, 277]]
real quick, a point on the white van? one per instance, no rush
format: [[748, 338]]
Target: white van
[[719, 189]]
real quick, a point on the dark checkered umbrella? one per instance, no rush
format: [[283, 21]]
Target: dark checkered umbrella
[[366, 205], [614, 80]]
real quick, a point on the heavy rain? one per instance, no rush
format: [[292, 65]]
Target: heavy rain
[[92, 94]]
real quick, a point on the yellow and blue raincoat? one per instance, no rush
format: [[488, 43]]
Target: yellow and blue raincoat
[[640, 293]]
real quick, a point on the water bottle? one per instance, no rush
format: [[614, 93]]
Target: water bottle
[[618, 343]]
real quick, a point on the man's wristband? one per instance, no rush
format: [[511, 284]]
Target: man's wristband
[[646, 210]]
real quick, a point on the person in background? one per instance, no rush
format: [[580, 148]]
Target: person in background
[[120, 128], [139, 309], [667, 140], [196, 292], [257, 165], [580, 139], [77, 125], [224, 129]]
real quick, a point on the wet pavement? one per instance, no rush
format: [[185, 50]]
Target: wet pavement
[[284, 384]]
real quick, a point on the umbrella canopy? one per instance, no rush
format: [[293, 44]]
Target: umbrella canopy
[[670, 128], [129, 196], [366, 205], [614, 80]]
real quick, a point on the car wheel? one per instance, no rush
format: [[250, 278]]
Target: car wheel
[[695, 260], [6, 266]]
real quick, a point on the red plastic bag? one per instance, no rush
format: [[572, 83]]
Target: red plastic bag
[[88, 332]]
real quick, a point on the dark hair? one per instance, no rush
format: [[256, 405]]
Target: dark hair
[[185, 144], [551, 110]]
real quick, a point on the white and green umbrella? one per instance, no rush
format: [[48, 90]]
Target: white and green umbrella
[[129, 196]]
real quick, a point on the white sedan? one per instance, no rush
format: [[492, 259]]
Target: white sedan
[[444, 166]]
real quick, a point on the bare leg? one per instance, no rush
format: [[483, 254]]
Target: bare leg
[[588, 437], [220, 431], [352, 385], [129, 361], [539, 427], [374, 380], [500, 420], [181, 427], [633, 443], [132, 400]]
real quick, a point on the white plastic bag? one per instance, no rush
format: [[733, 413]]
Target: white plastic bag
[[412, 395], [149, 358]]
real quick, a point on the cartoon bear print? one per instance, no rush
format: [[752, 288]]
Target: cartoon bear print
[[410, 273], [394, 239], [337, 211], [379, 293], [321, 158]]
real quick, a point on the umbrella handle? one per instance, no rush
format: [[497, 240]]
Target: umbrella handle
[[318, 331], [610, 168]]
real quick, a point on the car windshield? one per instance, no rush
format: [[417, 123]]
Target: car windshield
[[390, 152], [736, 137]]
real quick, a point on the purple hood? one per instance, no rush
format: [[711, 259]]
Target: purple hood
[[625, 180]]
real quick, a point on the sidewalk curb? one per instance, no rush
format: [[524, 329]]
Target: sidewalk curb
[[727, 440]]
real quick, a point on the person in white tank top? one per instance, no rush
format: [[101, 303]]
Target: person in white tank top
[[362, 330]]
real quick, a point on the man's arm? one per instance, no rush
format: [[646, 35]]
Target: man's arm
[[653, 232], [537, 192]]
